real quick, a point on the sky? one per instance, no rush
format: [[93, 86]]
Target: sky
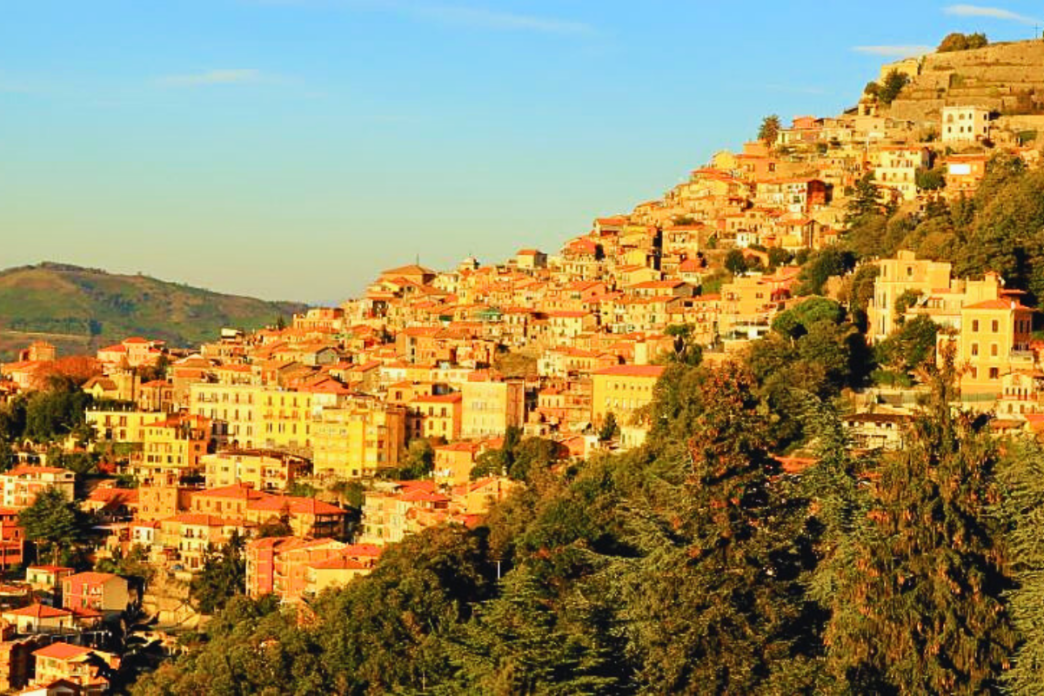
[[291, 149]]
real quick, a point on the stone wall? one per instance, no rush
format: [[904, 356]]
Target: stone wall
[[992, 77]]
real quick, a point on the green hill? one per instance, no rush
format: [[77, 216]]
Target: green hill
[[80, 309]]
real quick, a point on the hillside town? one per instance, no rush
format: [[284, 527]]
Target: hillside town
[[306, 449]]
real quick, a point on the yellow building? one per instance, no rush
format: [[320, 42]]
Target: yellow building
[[897, 276], [284, 419], [172, 448], [255, 416], [120, 426], [622, 390], [263, 470], [746, 307], [993, 342], [235, 406], [358, 440], [897, 167], [489, 408]]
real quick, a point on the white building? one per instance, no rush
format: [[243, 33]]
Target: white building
[[965, 124]]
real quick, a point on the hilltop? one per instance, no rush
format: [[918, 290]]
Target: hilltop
[[81, 309], [1007, 78]]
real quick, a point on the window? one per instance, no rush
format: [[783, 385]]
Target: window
[[995, 326], [993, 349], [994, 373], [975, 325], [975, 349]]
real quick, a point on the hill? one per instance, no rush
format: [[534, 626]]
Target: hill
[[80, 309], [1006, 77]]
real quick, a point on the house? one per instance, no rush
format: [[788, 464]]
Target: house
[[86, 667], [103, 592], [39, 618], [964, 124], [22, 484], [622, 390]]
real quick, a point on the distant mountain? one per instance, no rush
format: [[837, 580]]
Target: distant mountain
[[80, 309]]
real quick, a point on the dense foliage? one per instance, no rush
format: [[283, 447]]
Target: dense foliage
[[957, 41]]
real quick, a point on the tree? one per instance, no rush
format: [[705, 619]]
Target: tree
[[891, 86], [717, 605], [1021, 507], [222, 577], [820, 267], [957, 41], [930, 179], [926, 578], [769, 130], [420, 460], [609, 428], [54, 523], [911, 347], [865, 201], [735, 262]]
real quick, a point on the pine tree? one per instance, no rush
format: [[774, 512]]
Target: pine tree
[[925, 577], [1022, 508], [719, 607], [528, 641]]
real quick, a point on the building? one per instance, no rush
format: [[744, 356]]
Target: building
[[896, 277], [102, 592], [263, 470], [490, 407], [964, 124], [622, 390], [87, 668], [358, 440], [22, 484], [173, 448], [120, 426], [897, 167]]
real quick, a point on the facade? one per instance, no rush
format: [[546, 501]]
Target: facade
[[22, 484], [964, 124], [622, 391], [490, 407], [263, 470], [102, 592], [897, 276], [358, 440]]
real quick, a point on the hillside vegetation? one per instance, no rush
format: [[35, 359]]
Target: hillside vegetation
[[81, 309]]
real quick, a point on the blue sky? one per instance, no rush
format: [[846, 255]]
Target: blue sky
[[292, 148]]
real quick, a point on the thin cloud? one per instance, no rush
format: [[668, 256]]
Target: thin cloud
[[990, 12], [231, 76], [893, 51], [449, 14]]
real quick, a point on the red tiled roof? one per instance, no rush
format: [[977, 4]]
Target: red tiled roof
[[62, 651]]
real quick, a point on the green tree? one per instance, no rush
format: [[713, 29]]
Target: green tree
[[769, 129], [735, 263], [891, 86], [925, 578], [820, 267], [55, 523], [420, 460], [930, 179], [1021, 507], [609, 428], [222, 577], [957, 41], [865, 200], [911, 347], [717, 606]]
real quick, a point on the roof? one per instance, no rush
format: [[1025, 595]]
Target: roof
[[999, 304], [38, 611], [63, 651], [631, 371], [92, 578]]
